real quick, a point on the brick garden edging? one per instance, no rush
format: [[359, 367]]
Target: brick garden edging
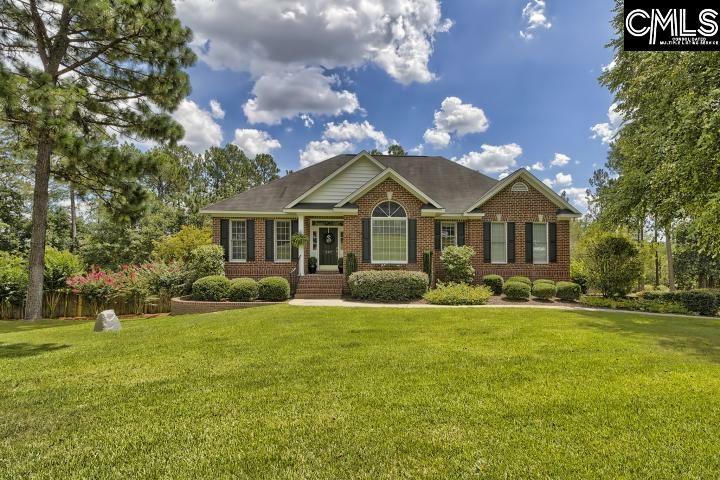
[[184, 306]]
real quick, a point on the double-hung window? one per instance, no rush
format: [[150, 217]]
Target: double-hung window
[[448, 234], [238, 240], [283, 248], [540, 243], [389, 238], [498, 242]]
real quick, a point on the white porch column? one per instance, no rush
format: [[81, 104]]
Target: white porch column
[[301, 251]]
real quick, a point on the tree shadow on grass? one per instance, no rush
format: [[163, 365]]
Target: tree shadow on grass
[[14, 326], [20, 350], [695, 336]]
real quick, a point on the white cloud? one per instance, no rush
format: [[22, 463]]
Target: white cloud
[[560, 160], [417, 150], [253, 141], [503, 175], [606, 131], [455, 117], [319, 150], [537, 166], [307, 120], [492, 158], [201, 130], [534, 15], [287, 94], [562, 179], [548, 182], [610, 66], [348, 131], [216, 110], [577, 197]]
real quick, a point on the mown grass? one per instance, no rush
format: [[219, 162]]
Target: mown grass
[[293, 392]]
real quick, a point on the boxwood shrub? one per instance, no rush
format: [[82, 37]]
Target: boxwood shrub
[[273, 289], [388, 285], [635, 304], [544, 291], [494, 283], [701, 301], [243, 290], [212, 288], [458, 294], [544, 280], [520, 279], [516, 290], [568, 291]]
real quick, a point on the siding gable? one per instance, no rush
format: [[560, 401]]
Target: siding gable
[[354, 177]]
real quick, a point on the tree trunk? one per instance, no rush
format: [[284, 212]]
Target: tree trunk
[[671, 266], [657, 258], [34, 302], [73, 221]]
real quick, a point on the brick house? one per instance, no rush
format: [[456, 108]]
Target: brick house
[[388, 210]]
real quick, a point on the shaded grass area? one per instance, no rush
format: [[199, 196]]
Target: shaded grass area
[[291, 392]]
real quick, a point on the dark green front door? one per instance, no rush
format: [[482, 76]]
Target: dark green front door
[[328, 246]]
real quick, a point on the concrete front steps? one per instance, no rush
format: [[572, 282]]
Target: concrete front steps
[[320, 286]]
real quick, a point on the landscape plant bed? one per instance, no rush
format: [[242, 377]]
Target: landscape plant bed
[[185, 305]]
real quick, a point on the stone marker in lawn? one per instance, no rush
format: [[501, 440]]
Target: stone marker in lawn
[[107, 321]]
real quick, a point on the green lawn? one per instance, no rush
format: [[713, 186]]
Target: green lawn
[[292, 392]]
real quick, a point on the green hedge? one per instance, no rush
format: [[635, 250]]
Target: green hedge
[[516, 290], [212, 288], [494, 283], [544, 291], [388, 285], [243, 290], [703, 302], [458, 294], [544, 280], [568, 291], [273, 289], [521, 279], [634, 304]]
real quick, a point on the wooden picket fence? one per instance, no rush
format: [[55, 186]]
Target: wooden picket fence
[[73, 305]]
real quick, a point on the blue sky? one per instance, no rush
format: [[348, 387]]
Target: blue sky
[[514, 83]]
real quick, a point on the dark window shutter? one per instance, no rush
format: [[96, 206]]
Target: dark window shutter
[[552, 240], [460, 234], [225, 238], [486, 242], [412, 241], [438, 245], [250, 240], [269, 240], [293, 231], [511, 242], [528, 243], [366, 240]]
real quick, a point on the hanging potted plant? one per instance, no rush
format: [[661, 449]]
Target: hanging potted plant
[[299, 240], [312, 265], [340, 264]]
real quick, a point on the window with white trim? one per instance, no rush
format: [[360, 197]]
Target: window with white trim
[[238, 240], [498, 242], [389, 234], [448, 234], [283, 248], [540, 243]]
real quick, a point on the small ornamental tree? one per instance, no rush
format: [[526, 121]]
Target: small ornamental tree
[[178, 246], [613, 265], [456, 260]]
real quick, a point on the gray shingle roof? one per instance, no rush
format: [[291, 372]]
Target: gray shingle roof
[[450, 184]]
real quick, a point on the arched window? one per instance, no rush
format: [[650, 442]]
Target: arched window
[[389, 233]]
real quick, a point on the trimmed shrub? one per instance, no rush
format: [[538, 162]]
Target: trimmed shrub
[[568, 291], [243, 290], [703, 302], [516, 290], [212, 288], [205, 261], [544, 280], [388, 285], [634, 304], [273, 289], [456, 261], [613, 265], [458, 294], [520, 279], [494, 283], [544, 291]]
